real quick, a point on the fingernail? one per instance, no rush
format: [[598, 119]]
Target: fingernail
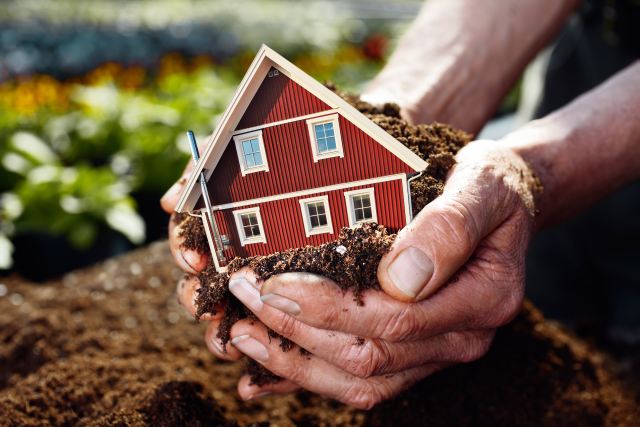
[[257, 395], [410, 271], [251, 347], [174, 190], [216, 345], [192, 258], [246, 292], [281, 303]]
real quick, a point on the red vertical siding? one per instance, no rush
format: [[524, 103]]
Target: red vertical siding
[[288, 152], [291, 165], [284, 226], [279, 98]]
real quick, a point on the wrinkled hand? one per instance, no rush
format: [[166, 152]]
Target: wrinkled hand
[[453, 276]]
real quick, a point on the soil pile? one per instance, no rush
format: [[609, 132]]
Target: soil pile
[[109, 346]]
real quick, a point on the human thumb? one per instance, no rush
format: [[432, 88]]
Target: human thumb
[[430, 249]]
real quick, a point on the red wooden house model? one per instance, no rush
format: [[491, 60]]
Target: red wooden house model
[[291, 163]]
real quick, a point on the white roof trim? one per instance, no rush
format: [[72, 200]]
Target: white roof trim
[[264, 60]]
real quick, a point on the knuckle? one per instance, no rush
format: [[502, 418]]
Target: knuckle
[[296, 372], [501, 295], [507, 309], [367, 359], [329, 316], [363, 395], [356, 359], [401, 325], [476, 346], [286, 325], [457, 226]]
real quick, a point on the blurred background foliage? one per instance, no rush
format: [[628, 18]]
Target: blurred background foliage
[[95, 98]]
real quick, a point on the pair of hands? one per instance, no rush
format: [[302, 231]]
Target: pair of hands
[[453, 275]]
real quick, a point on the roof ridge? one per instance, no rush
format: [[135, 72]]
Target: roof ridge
[[214, 147]]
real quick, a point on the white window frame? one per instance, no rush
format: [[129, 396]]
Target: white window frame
[[348, 195], [338, 152], [244, 240], [309, 231], [239, 139]]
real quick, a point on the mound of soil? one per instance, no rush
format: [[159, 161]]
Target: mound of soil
[[110, 346]]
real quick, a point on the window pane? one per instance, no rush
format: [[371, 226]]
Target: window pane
[[357, 202], [359, 215], [325, 137], [367, 213], [246, 147], [250, 225], [328, 129], [317, 215], [366, 200], [251, 153], [257, 159], [331, 143]]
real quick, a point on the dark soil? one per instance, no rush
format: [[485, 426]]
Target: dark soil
[[192, 231], [436, 143], [351, 261], [110, 346]]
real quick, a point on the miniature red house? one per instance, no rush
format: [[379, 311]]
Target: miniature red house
[[291, 163]]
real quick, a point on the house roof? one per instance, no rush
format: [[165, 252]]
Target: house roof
[[265, 59]]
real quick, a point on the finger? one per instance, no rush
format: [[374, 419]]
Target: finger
[[215, 345], [358, 356], [170, 199], [366, 358], [428, 251], [317, 301], [249, 391], [187, 293], [444, 235], [188, 260], [319, 376]]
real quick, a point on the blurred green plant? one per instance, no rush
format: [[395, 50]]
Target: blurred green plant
[[73, 154]]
